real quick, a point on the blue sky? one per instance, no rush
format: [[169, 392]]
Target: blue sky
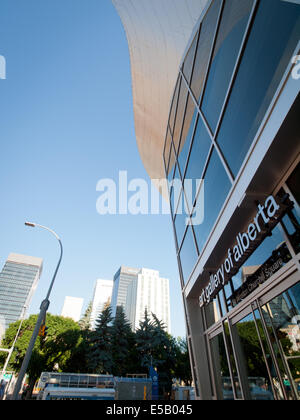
[[66, 122]]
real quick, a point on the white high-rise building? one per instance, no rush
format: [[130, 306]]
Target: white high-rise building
[[148, 291], [102, 295], [72, 308]]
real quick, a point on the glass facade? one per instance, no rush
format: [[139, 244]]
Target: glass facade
[[16, 283], [228, 83], [222, 96]]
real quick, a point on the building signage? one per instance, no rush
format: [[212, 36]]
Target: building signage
[[265, 220], [277, 260]]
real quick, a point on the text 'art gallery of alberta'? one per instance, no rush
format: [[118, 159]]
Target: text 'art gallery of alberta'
[[216, 98]]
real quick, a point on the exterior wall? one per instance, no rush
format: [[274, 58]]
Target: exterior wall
[[122, 279], [72, 308], [233, 126], [150, 291], [231, 157], [157, 33], [18, 281], [102, 295]]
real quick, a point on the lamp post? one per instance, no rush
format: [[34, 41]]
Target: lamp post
[[42, 315]]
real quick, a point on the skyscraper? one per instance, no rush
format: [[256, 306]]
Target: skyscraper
[[18, 281], [148, 291], [122, 279], [72, 308], [102, 295]]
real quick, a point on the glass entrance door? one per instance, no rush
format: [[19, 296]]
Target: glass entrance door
[[266, 346], [282, 321]]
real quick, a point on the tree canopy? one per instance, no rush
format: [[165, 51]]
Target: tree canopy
[[111, 348]]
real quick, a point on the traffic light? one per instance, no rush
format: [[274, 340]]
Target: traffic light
[[42, 330], [43, 334]]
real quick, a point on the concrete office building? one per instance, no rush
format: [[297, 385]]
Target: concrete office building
[[101, 297], [148, 291], [72, 308], [216, 97], [18, 281]]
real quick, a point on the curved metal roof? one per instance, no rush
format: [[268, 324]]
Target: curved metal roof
[[158, 32]]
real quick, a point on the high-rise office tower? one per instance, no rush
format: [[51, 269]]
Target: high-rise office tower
[[18, 281], [72, 308], [148, 291], [123, 277], [102, 296]]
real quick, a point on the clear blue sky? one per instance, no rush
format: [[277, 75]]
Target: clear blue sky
[[66, 121]]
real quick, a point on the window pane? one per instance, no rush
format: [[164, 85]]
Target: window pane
[[282, 316], [179, 115], [174, 105], [189, 60], [266, 260], [273, 39], [187, 132], [258, 386], [207, 32], [216, 188], [188, 255], [221, 369], [171, 164], [182, 218], [233, 25], [199, 152], [167, 149]]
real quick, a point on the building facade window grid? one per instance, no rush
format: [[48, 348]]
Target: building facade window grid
[[182, 79], [295, 260]]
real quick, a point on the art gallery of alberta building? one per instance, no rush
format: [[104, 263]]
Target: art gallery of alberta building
[[216, 99]]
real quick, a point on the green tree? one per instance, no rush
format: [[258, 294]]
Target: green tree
[[46, 352], [84, 322], [100, 359], [183, 368], [122, 341], [145, 342], [164, 355]]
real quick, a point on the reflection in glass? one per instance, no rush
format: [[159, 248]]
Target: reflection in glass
[[212, 313], [187, 132], [235, 378], [266, 260], [273, 39], [217, 186], [174, 105], [179, 114], [199, 152], [181, 218], [221, 369], [167, 149], [207, 31], [189, 60], [233, 25], [282, 316], [256, 381], [188, 254], [291, 223], [170, 169]]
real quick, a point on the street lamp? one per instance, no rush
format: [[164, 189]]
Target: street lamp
[[42, 315]]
